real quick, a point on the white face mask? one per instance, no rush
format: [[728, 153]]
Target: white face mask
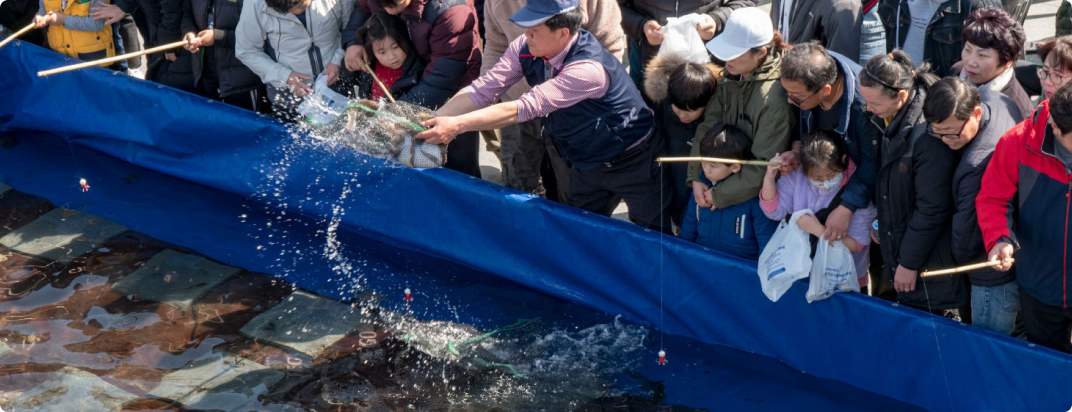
[[828, 185]]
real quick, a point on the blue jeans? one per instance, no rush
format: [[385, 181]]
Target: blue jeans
[[994, 307], [872, 36]]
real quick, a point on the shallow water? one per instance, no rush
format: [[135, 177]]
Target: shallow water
[[65, 327]]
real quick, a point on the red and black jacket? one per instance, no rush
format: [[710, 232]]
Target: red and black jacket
[[1025, 168]]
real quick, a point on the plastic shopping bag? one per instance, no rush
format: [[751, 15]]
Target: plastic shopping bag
[[832, 271], [323, 105], [785, 259], [681, 39]]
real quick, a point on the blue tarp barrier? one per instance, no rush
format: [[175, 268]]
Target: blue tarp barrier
[[605, 264]]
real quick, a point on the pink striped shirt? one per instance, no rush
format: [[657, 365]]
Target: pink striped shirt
[[575, 82]]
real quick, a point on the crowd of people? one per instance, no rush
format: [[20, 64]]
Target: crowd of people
[[910, 170]]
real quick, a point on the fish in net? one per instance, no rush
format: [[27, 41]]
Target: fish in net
[[385, 130]]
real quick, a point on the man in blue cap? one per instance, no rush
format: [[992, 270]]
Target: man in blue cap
[[591, 110]]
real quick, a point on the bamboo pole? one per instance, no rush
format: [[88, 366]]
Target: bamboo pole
[[17, 34], [377, 79], [112, 59], [962, 268], [718, 160]]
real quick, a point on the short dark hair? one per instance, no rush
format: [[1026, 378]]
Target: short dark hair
[[691, 86], [895, 72], [951, 96], [823, 149], [992, 28], [1061, 47], [726, 142], [282, 6], [1061, 108], [381, 26], [569, 20], [809, 64]]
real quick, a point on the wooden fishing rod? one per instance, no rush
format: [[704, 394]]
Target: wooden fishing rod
[[960, 269], [718, 160], [112, 59], [377, 79], [17, 34]]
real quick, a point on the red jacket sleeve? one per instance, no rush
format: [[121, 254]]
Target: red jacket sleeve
[[1000, 182]]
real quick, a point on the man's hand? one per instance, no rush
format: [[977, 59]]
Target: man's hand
[[332, 71], [207, 37], [193, 43], [356, 59], [651, 31], [707, 27], [441, 130], [110, 13], [837, 224], [171, 56], [790, 162], [296, 84], [1002, 252], [702, 194], [904, 280]]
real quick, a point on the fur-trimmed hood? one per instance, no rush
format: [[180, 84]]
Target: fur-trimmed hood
[[657, 75]]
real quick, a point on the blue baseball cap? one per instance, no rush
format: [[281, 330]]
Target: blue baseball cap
[[536, 12]]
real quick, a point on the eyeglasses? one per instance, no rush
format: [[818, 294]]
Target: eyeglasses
[[801, 101], [1044, 73], [955, 136]]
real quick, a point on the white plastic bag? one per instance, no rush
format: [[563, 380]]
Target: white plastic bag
[[323, 105], [681, 39], [832, 271], [785, 259]]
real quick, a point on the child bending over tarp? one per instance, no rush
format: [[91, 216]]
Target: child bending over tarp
[[818, 185]]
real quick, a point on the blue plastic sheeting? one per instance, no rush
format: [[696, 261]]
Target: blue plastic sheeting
[[234, 229], [607, 265]]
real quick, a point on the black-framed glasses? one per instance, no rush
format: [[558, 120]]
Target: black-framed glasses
[[955, 136], [1044, 73], [801, 101]]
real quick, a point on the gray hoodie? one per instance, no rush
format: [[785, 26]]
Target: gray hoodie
[[273, 44]]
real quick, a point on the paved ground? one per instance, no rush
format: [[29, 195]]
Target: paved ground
[[1040, 24]]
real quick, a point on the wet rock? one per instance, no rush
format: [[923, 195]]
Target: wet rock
[[72, 389], [61, 233], [221, 382], [307, 323], [174, 278]]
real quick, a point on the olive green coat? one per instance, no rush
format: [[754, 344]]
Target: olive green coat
[[757, 106]]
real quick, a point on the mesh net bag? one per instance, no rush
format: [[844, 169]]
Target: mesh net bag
[[385, 130]]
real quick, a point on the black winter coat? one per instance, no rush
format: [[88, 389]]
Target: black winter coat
[[234, 77], [944, 39], [915, 206], [412, 70], [637, 12], [1000, 114]]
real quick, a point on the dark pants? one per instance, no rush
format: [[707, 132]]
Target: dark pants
[[680, 192], [524, 150], [634, 176], [208, 85], [880, 286], [1049, 326], [463, 154]]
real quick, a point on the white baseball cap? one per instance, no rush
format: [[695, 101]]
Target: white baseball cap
[[745, 29]]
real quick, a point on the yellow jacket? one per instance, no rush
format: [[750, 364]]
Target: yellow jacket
[[73, 42]]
